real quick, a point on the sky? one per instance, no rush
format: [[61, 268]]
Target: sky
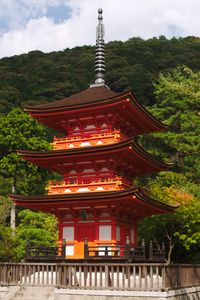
[[51, 25]]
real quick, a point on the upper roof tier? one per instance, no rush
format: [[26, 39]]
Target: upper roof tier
[[121, 109], [87, 96]]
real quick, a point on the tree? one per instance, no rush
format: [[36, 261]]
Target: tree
[[178, 105], [38, 76], [190, 235], [8, 244], [5, 206], [179, 231], [19, 131], [36, 228], [161, 229]]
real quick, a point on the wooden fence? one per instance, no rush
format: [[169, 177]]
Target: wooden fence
[[116, 276]]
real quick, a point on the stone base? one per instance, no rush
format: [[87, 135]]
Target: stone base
[[6, 293], [192, 293], [3, 292]]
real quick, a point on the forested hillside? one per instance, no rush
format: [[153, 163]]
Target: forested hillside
[[165, 77], [37, 77]]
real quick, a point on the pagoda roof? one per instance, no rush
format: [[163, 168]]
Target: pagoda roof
[[87, 96], [91, 101], [133, 201], [126, 155]]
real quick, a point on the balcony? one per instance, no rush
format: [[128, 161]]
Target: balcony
[[100, 251], [102, 185], [86, 141]]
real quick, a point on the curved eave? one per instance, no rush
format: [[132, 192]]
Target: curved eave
[[160, 125], [38, 111], [130, 145], [134, 196]]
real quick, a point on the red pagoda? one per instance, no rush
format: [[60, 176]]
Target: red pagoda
[[99, 160]]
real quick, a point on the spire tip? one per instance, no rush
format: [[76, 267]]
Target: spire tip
[[100, 10], [100, 52]]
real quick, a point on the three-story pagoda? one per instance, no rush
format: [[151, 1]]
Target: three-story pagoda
[[99, 160]]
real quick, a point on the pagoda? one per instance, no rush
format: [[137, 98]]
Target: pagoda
[[98, 159]]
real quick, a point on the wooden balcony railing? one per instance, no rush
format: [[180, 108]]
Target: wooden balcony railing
[[107, 184], [102, 276], [47, 253], [143, 253], [85, 141], [103, 251]]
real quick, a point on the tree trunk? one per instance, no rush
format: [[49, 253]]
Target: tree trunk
[[12, 217], [12, 211], [171, 246]]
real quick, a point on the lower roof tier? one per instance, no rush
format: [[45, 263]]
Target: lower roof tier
[[133, 202], [125, 158]]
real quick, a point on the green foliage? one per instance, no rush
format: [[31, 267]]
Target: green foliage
[[36, 229], [37, 77], [170, 187], [180, 232], [162, 229], [8, 244], [190, 216], [19, 131], [5, 206], [178, 105]]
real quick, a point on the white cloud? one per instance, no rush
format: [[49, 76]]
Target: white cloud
[[29, 28], [18, 12]]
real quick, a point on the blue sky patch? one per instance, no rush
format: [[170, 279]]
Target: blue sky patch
[[3, 25], [174, 30], [58, 13]]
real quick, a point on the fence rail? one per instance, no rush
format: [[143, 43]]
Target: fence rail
[[144, 253], [116, 276], [45, 253], [109, 252]]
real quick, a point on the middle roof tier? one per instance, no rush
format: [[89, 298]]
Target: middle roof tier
[[125, 158]]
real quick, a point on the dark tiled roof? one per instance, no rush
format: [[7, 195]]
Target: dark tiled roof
[[87, 96], [130, 143], [48, 199]]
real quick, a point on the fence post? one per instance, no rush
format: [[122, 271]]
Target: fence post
[[151, 250], [86, 254], [127, 248], [166, 274], [143, 249], [106, 251], [107, 277], [163, 251]]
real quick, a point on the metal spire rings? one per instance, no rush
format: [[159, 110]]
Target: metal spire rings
[[100, 51]]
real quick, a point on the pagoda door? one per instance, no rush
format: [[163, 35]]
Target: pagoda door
[[86, 231], [125, 232]]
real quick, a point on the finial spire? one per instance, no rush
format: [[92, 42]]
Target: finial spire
[[100, 52]]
